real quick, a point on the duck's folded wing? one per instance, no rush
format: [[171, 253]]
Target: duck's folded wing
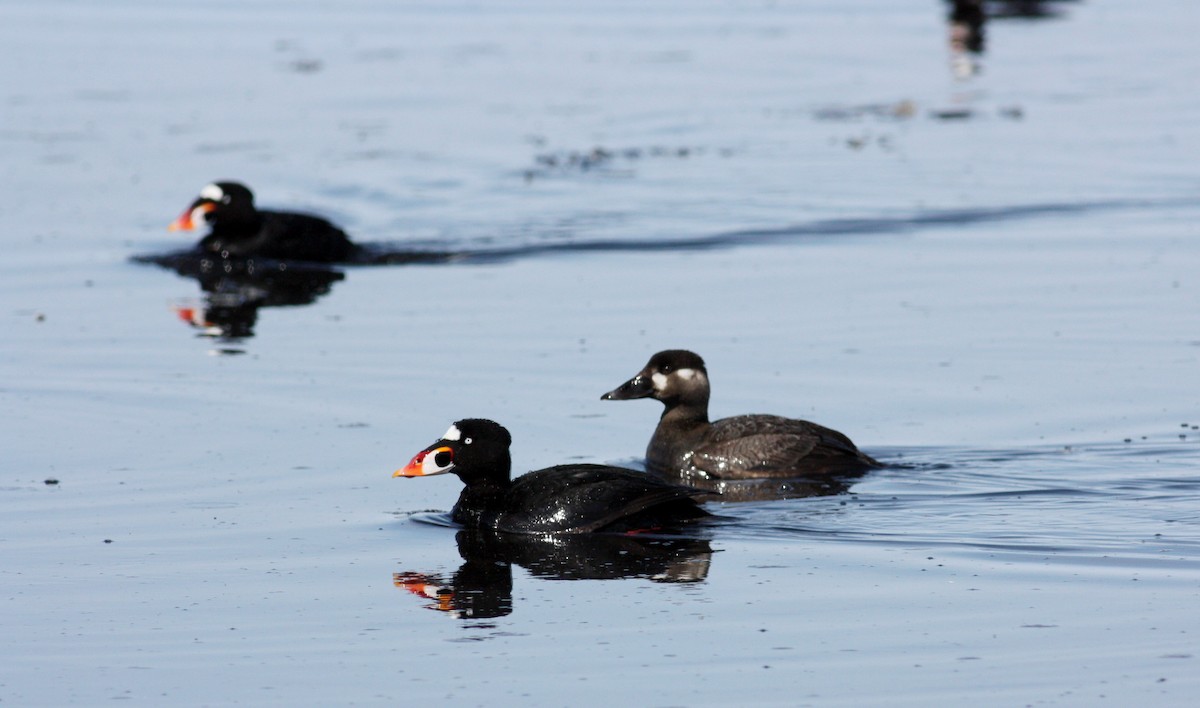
[[760, 455], [580, 498], [748, 446]]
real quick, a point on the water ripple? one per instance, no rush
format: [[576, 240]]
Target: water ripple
[[1079, 505]]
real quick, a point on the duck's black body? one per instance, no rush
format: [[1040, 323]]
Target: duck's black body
[[687, 445], [577, 498], [574, 499], [238, 230]]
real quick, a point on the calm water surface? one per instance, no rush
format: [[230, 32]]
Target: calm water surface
[[989, 282]]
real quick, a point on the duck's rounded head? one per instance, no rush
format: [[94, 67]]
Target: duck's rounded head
[[473, 448], [228, 202], [671, 376]]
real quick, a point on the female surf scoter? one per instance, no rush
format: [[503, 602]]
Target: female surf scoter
[[238, 230], [575, 498], [687, 445]]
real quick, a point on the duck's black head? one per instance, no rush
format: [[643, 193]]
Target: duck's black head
[[674, 376], [220, 203], [475, 449]]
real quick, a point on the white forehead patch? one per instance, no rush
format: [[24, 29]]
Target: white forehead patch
[[453, 434], [660, 381], [212, 192], [686, 374]]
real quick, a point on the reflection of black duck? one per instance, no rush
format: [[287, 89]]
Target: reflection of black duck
[[668, 559], [234, 290], [482, 586], [239, 230], [686, 445], [575, 498]]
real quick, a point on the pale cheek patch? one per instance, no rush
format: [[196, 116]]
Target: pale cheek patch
[[453, 434], [430, 466], [660, 381], [200, 215], [686, 374], [212, 192]]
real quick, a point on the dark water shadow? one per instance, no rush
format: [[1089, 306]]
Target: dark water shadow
[[394, 254], [482, 587]]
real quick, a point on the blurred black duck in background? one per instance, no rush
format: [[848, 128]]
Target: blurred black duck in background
[[237, 229]]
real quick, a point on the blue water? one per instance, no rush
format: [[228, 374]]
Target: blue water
[[987, 282]]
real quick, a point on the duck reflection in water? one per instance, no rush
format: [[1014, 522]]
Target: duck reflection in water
[[482, 586], [967, 20], [235, 290]]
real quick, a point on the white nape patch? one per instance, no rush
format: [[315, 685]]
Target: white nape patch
[[212, 192], [660, 381], [453, 434], [686, 374]]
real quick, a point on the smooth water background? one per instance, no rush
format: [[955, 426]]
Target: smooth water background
[[1005, 303]]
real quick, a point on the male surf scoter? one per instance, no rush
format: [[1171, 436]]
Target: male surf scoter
[[686, 445], [575, 498], [238, 230]]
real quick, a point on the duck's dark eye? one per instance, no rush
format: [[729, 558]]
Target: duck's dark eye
[[443, 458], [667, 368]]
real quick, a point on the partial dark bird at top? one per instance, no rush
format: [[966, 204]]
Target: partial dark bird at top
[[574, 498], [687, 446], [238, 230]]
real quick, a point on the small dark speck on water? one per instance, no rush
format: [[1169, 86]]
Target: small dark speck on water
[[108, 540], [306, 66], [51, 482], [39, 317]]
